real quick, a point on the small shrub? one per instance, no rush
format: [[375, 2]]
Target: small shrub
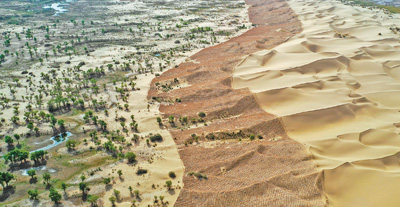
[[202, 114], [172, 174], [141, 171]]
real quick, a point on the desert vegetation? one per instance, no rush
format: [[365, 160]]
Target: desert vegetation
[[76, 126]]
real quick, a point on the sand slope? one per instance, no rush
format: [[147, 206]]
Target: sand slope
[[336, 87]]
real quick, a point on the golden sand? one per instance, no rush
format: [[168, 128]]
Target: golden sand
[[336, 87]]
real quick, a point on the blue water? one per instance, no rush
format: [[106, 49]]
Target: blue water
[[58, 7], [55, 143]]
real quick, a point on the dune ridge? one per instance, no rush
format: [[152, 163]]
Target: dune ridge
[[336, 87]]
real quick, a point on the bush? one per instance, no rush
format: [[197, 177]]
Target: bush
[[172, 174], [156, 137], [168, 183], [130, 156], [202, 114], [141, 171], [252, 137]]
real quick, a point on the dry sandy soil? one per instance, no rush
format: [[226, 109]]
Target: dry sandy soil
[[339, 95]]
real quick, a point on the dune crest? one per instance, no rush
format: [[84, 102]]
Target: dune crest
[[336, 88]]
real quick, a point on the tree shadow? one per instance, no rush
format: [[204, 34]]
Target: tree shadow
[[18, 166], [65, 195], [36, 203], [48, 186], [108, 187], [10, 147], [84, 196], [40, 163], [33, 180], [7, 192], [58, 205], [171, 191]]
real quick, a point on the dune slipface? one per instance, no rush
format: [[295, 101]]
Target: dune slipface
[[336, 87]]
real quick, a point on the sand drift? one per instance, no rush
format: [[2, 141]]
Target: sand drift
[[336, 87]]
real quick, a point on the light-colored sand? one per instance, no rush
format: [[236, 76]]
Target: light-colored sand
[[165, 156], [339, 96]]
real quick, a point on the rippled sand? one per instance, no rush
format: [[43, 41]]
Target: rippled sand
[[336, 87]]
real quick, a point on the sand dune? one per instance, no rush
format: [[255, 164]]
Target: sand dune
[[336, 88]]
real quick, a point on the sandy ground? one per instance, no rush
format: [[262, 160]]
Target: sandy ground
[[336, 88], [165, 155]]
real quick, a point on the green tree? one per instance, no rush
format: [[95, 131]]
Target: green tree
[[137, 193], [159, 120], [63, 186], [55, 196], [93, 200], [46, 177], [117, 193], [37, 155], [168, 183], [107, 181], [36, 129], [30, 126], [16, 155], [9, 140], [31, 172], [6, 177], [171, 119], [130, 156], [17, 137], [33, 194], [83, 186], [112, 199], [70, 144], [61, 123]]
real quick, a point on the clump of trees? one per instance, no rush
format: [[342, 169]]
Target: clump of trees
[[38, 155], [16, 155]]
